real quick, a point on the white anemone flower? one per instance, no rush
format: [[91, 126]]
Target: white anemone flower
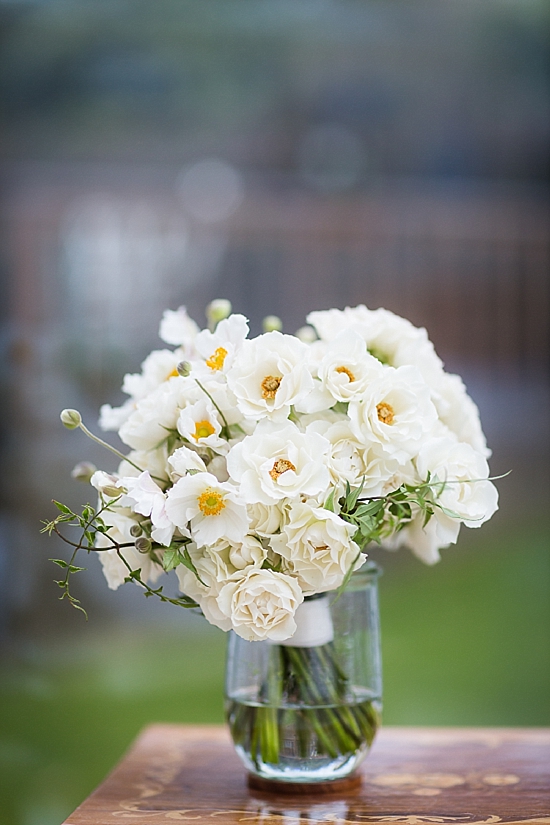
[[199, 424], [396, 412], [261, 604], [146, 428], [279, 462], [269, 375], [219, 348], [317, 548], [183, 460], [211, 509], [115, 570], [178, 329], [159, 366], [144, 496]]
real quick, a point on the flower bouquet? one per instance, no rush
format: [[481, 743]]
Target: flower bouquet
[[260, 470]]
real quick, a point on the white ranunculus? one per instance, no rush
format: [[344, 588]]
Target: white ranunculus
[[269, 375], [199, 424], [279, 462], [347, 367], [396, 412], [261, 605], [178, 329], [144, 496], [459, 413], [466, 492], [211, 508], [219, 348], [317, 547]]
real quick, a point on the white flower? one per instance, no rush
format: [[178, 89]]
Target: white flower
[[265, 519], [261, 605], [159, 366], [317, 547], [157, 413], [152, 460], [279, 462], [144, 496], [219, 348], [459, 413], [211, 508], [426, 540], [178, 329], [111, 419], [466, 491], [114, 569], [182, 460], [347, 367], [199, 424], [395, 412], [270, 374], [214, 569]]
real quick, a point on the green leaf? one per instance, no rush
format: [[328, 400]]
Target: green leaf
[[63, 508], [172, 558], [187, 561], [74, 569], [59, 562], [329, 503]]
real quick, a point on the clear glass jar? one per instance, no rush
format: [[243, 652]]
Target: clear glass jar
[[307, 710]]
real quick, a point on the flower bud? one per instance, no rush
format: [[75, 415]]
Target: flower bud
[[184, 368], [272, 323], [143, 545], [135, 530], [306, 334], [111, 491], [217, 310], [71, 419], [83, 471]]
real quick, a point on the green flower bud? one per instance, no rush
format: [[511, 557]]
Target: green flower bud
[[83, 471], [272, 323], [111, 491], [184, 369], [306, 334], [217, 310], [135, 530], [71, 419], [144, 545]]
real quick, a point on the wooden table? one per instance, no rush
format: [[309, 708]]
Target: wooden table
[[412, 776]]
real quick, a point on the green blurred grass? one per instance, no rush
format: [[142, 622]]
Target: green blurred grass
[[465, 643]]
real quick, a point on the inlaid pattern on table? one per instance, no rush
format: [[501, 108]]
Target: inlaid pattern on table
[[412, 776]]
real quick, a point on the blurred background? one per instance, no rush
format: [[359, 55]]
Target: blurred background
[[289, 156]]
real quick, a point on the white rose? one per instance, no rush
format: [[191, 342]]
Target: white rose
[[261, 605], [396, 412], [210, 507], [158, 413], [426, 540], [347, 367], [182, 460], [279, 462], [214, 569], [265, 519], [465, 488], [459, 413], [270, 374], [317, 548]]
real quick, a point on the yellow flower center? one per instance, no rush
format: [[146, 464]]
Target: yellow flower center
[[270, 385], [211, 502], [280, 467], [385, 413], [173, 374], [346, 371], [203, 429], [216, 360]]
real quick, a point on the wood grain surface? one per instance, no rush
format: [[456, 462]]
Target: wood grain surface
[[412, 776]]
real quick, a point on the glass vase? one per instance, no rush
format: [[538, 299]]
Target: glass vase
[[307, 710]]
